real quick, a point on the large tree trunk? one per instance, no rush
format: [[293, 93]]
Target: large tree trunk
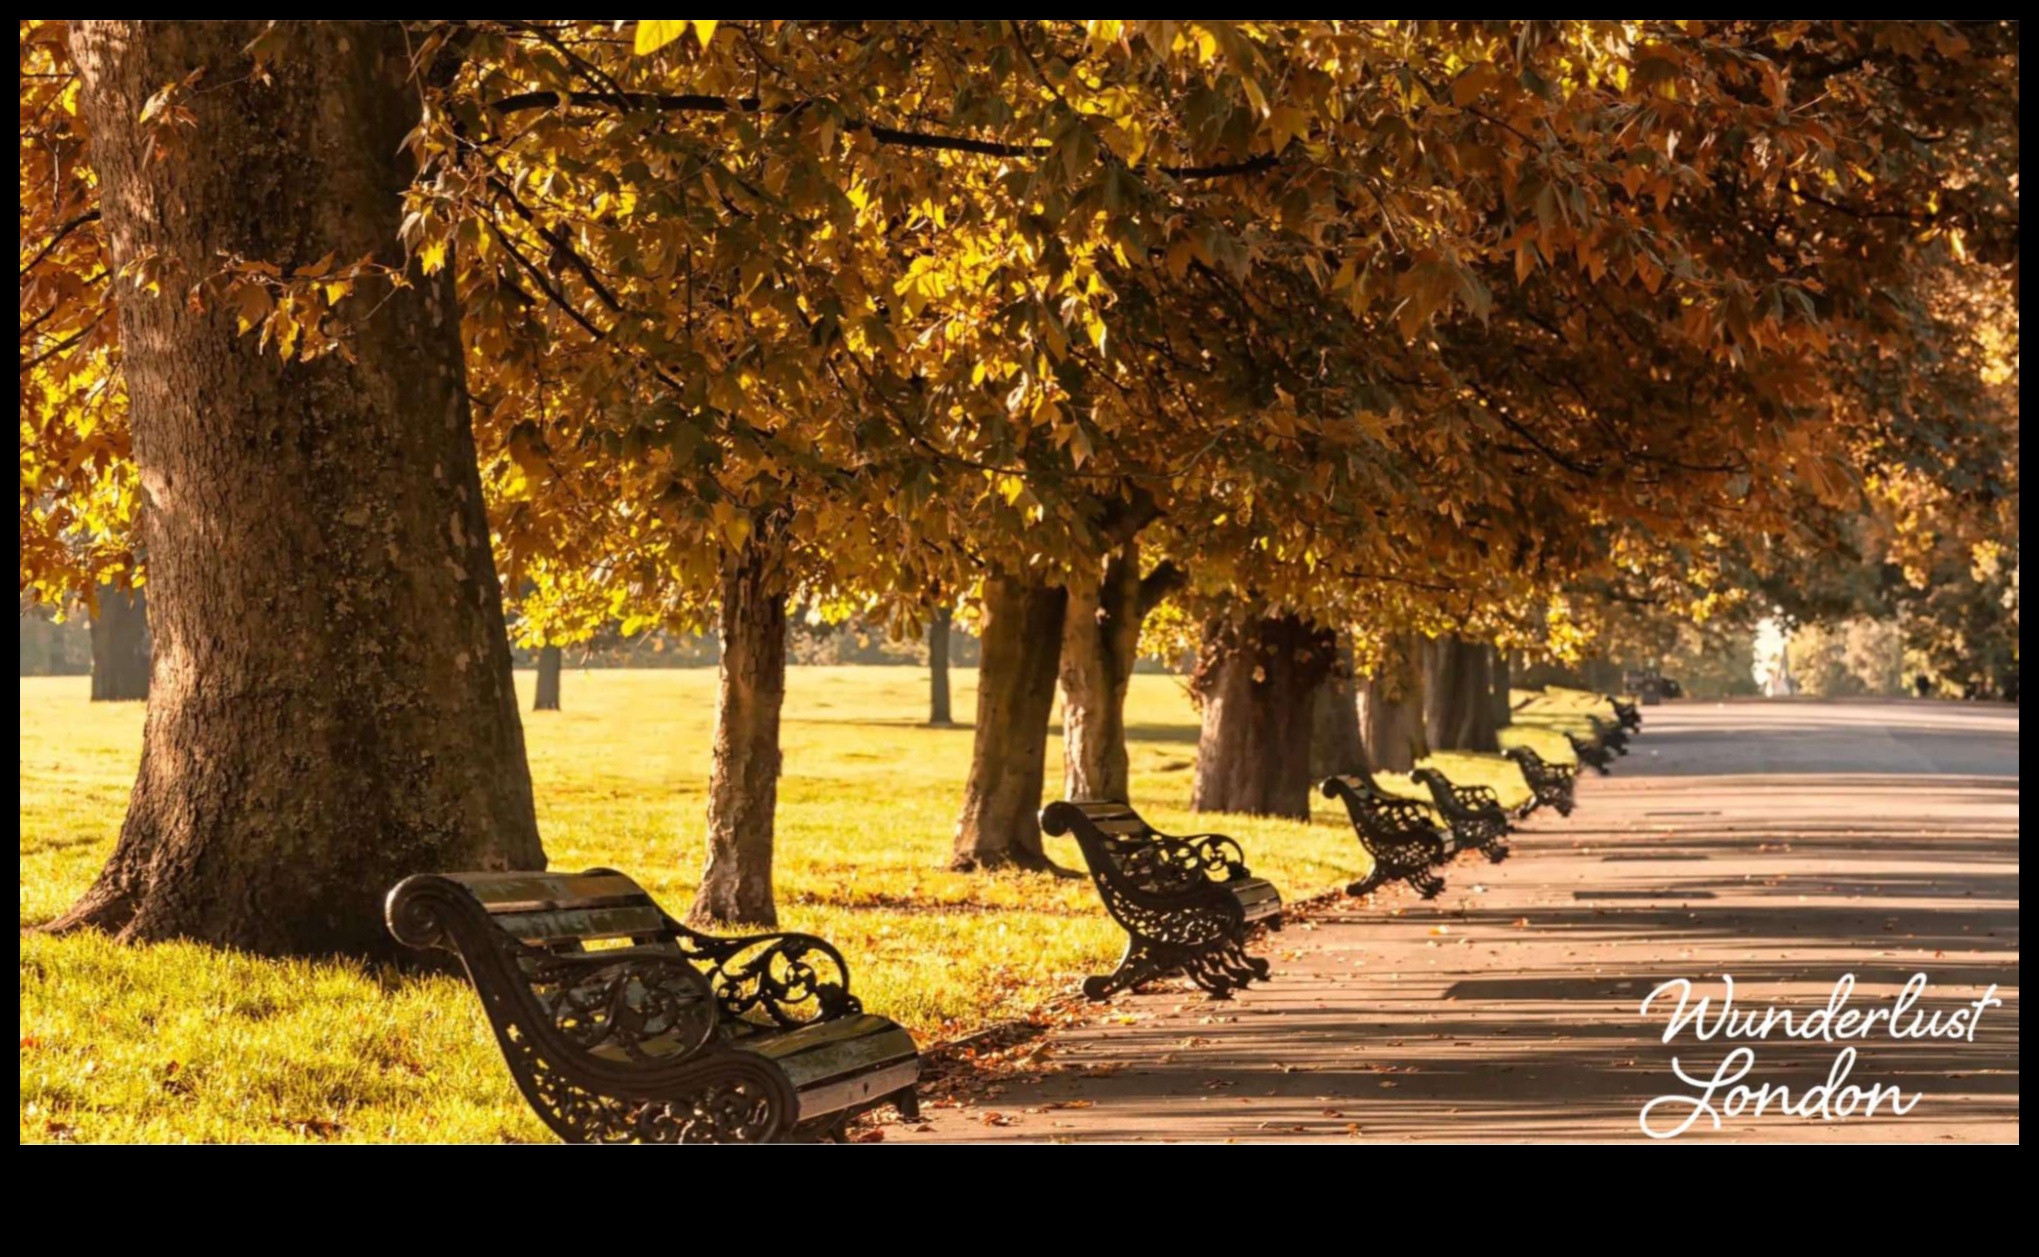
[[1256, 684], [1100, 644], [1391, 708], [1335, 744], [547, 696], [939, 712], [1459, 702], [743, 786], [332, 705], [1498, 683], [1019, 652], [120, 646]]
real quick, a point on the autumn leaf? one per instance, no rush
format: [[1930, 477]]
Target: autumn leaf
[[652, 36]]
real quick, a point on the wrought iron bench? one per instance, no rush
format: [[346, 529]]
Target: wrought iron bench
[[1629, 715], [1609, 734], [1186, 904], [1593, 755], [1550, 785], [621, 1025], [1474, 813], [1403, 842]]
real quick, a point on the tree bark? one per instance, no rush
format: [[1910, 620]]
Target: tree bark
[[743, 785], [1391, 708], [939, 712], [1498, 683], [1020, 650], [332, 705], [120, 646], [1335, 745], [1257, 684], [547, 696], [1100, 644], [1459, 709]]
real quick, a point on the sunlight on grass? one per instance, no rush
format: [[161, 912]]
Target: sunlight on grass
[[181, 1042]]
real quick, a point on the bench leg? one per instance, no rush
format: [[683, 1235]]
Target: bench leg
[[907, 1101], [1136, 966]]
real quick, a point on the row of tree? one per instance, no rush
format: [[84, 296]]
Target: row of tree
[[1233, 337]]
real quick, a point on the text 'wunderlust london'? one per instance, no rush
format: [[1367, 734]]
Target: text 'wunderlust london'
[[1731, 1090]]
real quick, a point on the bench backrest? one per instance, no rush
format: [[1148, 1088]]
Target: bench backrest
[[776, 979], [1119, 844], [1114, 820], [1373, 810], [565, 911]]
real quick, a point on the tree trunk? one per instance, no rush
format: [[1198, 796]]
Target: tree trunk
[[1257, 684], [939, 711], [120, 646], [1335, 745], [1391, 708], [332, 705], [743, 786], [1498, 684], [1019, 653], [547, 697], [1459, 704], [1100, 644]]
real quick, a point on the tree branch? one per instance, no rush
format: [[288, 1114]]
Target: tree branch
[[897, 137], [1158, 584], [68, 341], [57, 238]]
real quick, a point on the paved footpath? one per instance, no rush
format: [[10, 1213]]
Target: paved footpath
[[1785, 843]]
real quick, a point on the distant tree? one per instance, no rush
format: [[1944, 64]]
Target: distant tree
[[546, 694], [120, 645]]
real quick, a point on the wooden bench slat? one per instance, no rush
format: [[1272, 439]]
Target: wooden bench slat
[[622, 921], [511, 892], [1134, 826]]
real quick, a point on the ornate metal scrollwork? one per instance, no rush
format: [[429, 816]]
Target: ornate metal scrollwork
[[1592, 754], [622, 1003], [1473, 812], [785, 979], [1401, 839], [721, 1097], [608, 1047], [1611, 734], [1549, 784], [1169, 896]]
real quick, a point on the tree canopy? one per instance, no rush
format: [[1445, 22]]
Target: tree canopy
[[1460, 327]]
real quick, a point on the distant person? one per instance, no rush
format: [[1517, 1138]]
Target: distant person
[[1923, 685]]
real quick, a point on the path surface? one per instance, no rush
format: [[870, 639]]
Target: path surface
[[1783, 843]]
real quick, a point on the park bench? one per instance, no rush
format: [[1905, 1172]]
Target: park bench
[[1186, 904], [1474, 813], [1550, 785], [1403, 842], [1609, 734], [1594, 755], [621, 1025], [1629, 715]]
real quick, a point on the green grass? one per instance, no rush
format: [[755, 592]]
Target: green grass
[[181, 1042]]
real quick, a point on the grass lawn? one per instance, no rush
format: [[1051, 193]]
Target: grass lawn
[[183, 1042]]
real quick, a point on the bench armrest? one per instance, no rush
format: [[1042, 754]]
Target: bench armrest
[[1218, 856], [1476, 798], [785, 978]]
